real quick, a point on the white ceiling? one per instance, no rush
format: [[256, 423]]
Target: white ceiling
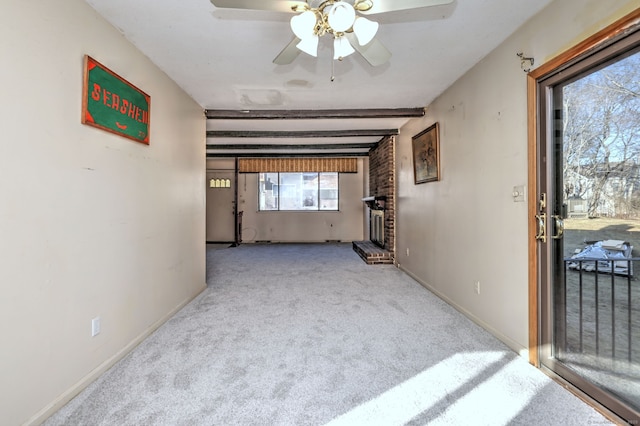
[[223, 57]]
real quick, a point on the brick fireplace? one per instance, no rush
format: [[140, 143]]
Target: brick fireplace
[[380, 246]]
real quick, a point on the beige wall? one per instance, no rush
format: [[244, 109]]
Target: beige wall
[[91, 224], [467, 228], [344, 225]]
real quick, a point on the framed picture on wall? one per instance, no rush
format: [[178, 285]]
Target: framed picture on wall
[[426, 155], [111, 103]]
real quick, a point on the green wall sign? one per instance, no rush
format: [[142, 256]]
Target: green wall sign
[[111, 103]]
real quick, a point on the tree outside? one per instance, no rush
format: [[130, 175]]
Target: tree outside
[[601, 136]]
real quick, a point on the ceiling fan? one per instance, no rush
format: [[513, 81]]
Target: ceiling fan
[[341, 19]]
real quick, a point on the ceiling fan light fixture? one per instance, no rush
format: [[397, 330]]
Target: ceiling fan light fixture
[[309, 45], [341, 16], [341, 48], [303, 25], [363, 5], [365, 30]]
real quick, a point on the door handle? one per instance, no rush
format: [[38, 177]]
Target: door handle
[[542, 227], [559, 225]]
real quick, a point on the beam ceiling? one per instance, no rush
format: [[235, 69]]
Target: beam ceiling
[[244, 133]]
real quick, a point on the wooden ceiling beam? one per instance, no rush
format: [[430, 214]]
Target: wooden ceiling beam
[[287, 155], [301, 133], [228, 114], [243, 147]]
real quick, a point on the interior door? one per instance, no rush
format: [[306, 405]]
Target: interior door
[[588, 225], [221, 206]]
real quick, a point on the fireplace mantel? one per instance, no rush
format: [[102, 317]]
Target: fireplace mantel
[[376, 202]]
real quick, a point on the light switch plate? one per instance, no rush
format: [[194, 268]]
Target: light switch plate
[[95, 326], [518, 194]]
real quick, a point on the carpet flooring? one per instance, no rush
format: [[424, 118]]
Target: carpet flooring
[[308, 334]]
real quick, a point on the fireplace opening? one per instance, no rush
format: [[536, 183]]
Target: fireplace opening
[[377, 227], [376, 219]]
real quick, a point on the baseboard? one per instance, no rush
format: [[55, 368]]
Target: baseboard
[[513, 345], [72, 392]]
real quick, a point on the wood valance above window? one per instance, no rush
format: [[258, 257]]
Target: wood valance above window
[[284, 165]]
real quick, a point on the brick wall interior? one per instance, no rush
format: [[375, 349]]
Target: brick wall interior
[[382, 182]]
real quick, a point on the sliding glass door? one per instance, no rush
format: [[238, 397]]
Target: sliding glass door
[[588, 224]]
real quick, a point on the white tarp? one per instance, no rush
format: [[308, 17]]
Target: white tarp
[[609, 251]]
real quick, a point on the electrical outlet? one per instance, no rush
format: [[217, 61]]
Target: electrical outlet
[[95, 326], [477, 287], [407, 251]]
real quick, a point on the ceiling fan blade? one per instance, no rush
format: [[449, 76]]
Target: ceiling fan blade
[[288, 54], [382, 6], [274, 5], [375, 53]]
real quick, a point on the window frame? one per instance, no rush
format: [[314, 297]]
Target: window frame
[[279, 185]]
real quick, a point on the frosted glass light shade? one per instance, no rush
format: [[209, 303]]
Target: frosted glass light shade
[[342, 48], [303, 24], [309, 45], [365, 30], [341, 16]]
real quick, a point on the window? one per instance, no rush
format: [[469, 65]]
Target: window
[[219, 183], [308, 191]]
